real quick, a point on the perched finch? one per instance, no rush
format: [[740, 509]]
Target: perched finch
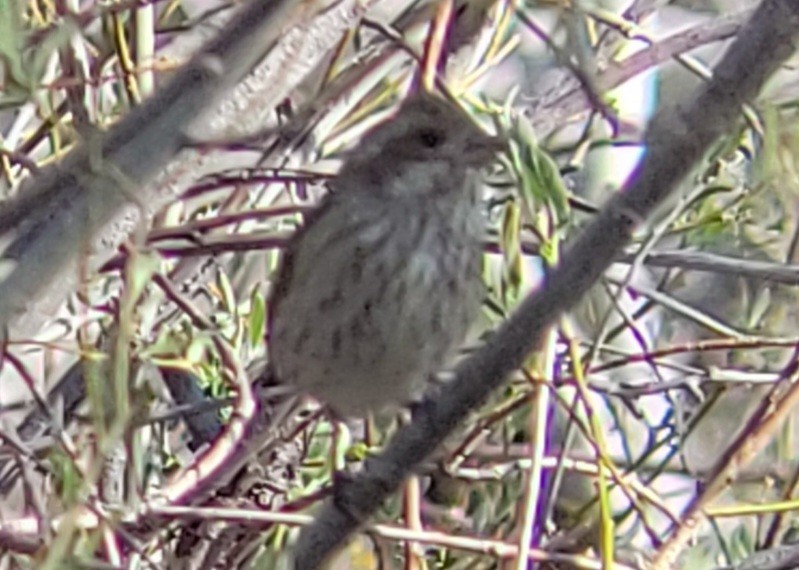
[[378, 290]]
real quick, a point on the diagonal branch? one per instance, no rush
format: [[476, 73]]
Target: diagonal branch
[[68, 209], [677, 138]]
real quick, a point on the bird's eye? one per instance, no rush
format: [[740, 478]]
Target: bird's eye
[[430, 138]]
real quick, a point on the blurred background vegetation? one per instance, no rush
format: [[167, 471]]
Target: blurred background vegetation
[[128, 361]]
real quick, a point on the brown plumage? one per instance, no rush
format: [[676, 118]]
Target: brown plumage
[[379, 288]]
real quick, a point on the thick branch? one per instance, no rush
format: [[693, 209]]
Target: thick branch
[[677, 138], [61, 214]]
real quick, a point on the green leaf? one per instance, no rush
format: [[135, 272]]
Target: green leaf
[[540, 182], [68, 477], [257, 317], [513, 270], [228, 297], [198, 348]]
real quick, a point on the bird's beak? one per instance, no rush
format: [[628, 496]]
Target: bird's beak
[[482, 150]]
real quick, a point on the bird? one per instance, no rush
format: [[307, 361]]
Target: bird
[[378, 289]]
